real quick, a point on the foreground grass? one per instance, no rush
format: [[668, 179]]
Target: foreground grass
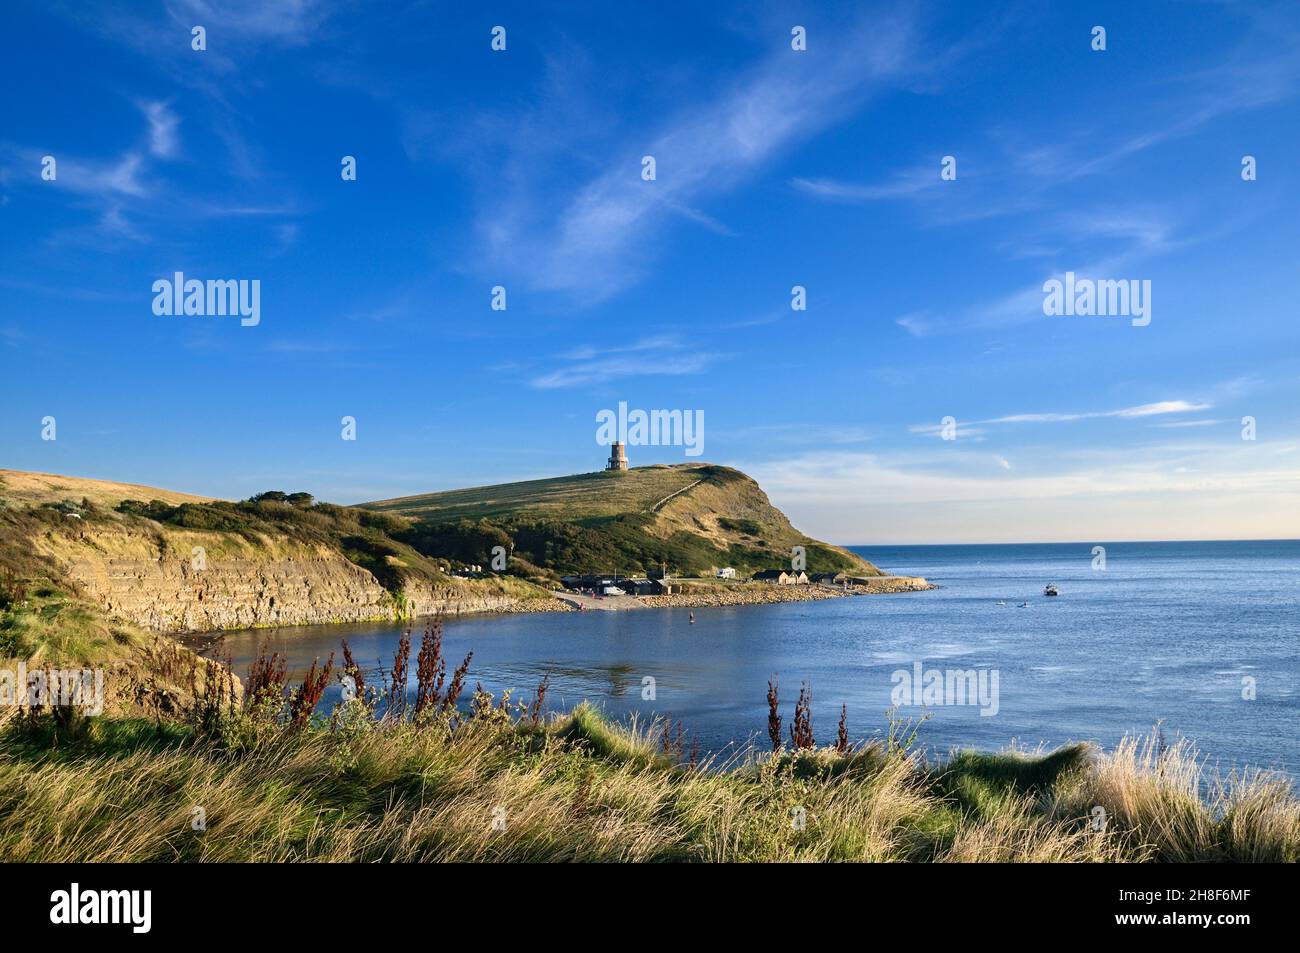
[[580, 789]]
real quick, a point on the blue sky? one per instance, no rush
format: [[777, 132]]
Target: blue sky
[[775, 168]]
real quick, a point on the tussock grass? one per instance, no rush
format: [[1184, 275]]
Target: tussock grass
[[986, 785], [51, 626], [1019, 833], [578, 788], [1172, 807]]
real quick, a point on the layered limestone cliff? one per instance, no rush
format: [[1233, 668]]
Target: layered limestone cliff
[[186, 581]]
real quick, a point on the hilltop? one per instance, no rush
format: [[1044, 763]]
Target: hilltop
[[22, 487], [693, 517], [581, 496]]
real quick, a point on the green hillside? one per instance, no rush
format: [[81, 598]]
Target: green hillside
[[693, 517], [579, 496]]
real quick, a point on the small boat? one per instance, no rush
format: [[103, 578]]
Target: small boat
[[1023, 605], [1002, 602], [692, 618], [1050, 590]]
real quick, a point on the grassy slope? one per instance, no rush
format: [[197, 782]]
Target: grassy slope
[[580, 496], [691, 515], [581, 789], [32, 489], [34, 520], [45, 622]]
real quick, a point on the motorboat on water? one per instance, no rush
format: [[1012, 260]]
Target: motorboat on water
[[1050, 590]]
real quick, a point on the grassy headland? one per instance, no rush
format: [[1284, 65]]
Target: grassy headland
[[692, 517], [176, 562]]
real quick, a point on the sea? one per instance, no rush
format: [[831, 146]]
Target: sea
[[1196, 640]]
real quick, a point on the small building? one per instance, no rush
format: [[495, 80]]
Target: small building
[[726, 573], [828, 578], [782, 577], [617, 457], [594, 583]]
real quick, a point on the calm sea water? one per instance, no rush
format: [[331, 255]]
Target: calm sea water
[[1166, 634]]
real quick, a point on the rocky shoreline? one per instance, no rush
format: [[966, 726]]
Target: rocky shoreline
[[762, 594], [743, 594], [539, 604]]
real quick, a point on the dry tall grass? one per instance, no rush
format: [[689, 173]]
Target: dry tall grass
[[498, 788], [1173, 807]]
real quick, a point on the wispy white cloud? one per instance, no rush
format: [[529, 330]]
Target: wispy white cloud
[[1142, 410], [757, 321], [1124, 240], [915, 323], [961, 431], [661, 356], [105, 189], [700, 218], [1025, 174], [659, 343], [601, 239], [287, 21], [164, 142], [128, 197], [904, 185], [242, 209], [1178, 424], [1263, 71], [109, 179]]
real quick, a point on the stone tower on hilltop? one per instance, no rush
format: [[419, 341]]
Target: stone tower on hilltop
[[617, 457]]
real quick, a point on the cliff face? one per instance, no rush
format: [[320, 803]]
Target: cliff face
[[160, 582], [730, 509], [169, 595]]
